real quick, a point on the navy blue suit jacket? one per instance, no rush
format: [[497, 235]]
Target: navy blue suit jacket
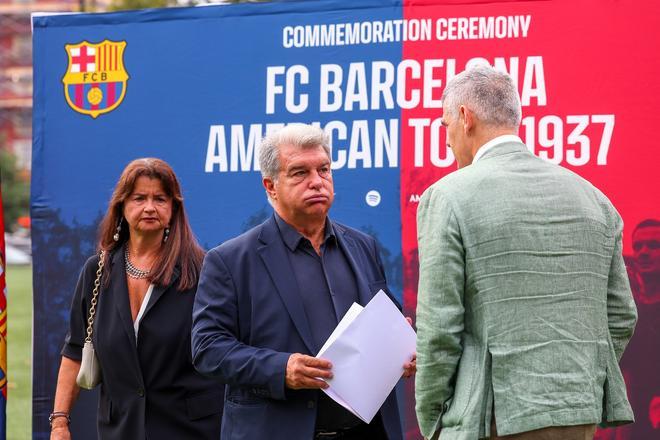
[[248, 318]]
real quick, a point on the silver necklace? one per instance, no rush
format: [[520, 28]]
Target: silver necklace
[[131, 270]]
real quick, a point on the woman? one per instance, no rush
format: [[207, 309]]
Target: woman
[[142, 321]]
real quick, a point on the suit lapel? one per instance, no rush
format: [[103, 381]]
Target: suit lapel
[[351, 251], [158, 291], [275, 258], [119, 289]]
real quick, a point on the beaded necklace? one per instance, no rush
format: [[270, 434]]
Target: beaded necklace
[[131, 270]]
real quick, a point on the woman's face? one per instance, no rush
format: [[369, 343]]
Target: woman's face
[[148, 209]]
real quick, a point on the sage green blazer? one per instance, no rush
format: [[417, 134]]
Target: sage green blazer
[[523, 300]]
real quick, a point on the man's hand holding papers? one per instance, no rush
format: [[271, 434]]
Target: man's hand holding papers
[[371, 348], [304, 371]]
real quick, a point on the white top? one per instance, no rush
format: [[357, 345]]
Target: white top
[[145, 301], [494, 142]]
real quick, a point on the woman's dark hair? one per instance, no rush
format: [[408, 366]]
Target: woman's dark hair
[[181, 247]]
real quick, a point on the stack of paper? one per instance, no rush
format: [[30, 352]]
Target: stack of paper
[[367, 350]]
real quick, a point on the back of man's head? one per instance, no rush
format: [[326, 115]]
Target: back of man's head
[[489, 94]]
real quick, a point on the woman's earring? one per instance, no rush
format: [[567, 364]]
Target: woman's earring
[[166, 235], [116, 236]]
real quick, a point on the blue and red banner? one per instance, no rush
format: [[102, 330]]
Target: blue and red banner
[[200, 87]]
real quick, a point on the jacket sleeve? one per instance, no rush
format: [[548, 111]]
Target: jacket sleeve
[[75, 337], [621, 310], [216, 346], [440, 310]]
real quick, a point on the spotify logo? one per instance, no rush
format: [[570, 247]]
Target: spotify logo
[[373, 198]]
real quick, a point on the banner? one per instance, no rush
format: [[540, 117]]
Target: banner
[[200, 87], [3, 328]]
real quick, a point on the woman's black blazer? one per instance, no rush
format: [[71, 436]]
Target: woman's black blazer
[[150, 389]]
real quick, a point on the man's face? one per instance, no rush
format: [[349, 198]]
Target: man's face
[[646, 248], [303, 189], [455, 138]]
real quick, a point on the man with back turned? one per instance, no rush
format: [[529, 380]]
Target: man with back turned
[[524, 307]]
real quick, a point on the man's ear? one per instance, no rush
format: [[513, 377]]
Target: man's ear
[[467, 118], [269, 185]]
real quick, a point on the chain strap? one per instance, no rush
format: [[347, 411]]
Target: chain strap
[[95, 294]]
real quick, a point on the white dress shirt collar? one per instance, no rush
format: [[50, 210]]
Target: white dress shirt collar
[[493, 143]]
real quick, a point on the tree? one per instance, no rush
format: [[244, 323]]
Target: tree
[[121, 5], [15, 190]]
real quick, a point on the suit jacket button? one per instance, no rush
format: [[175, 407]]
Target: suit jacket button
[[140, 392], [310, 404]]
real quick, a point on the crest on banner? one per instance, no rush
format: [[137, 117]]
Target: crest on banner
[[95, 78]]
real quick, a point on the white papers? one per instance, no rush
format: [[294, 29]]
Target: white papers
[[367, 350]]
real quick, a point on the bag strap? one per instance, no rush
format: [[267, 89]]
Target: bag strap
[[95, 294]]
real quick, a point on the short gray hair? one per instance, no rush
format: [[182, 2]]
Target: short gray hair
[[299, 135], [490, 94]]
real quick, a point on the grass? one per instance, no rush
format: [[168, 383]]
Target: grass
[[19, 352]]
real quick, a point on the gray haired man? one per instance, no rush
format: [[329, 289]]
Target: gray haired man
[[524, 307], [268, 299]]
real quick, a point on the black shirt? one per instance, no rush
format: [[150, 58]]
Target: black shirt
[[328, 288]]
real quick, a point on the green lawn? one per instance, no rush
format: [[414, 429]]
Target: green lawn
[[19, 352]]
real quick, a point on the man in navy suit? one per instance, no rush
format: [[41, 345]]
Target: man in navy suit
[[268, 300]]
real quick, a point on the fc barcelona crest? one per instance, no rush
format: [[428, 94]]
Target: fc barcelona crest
[[95, 80]]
